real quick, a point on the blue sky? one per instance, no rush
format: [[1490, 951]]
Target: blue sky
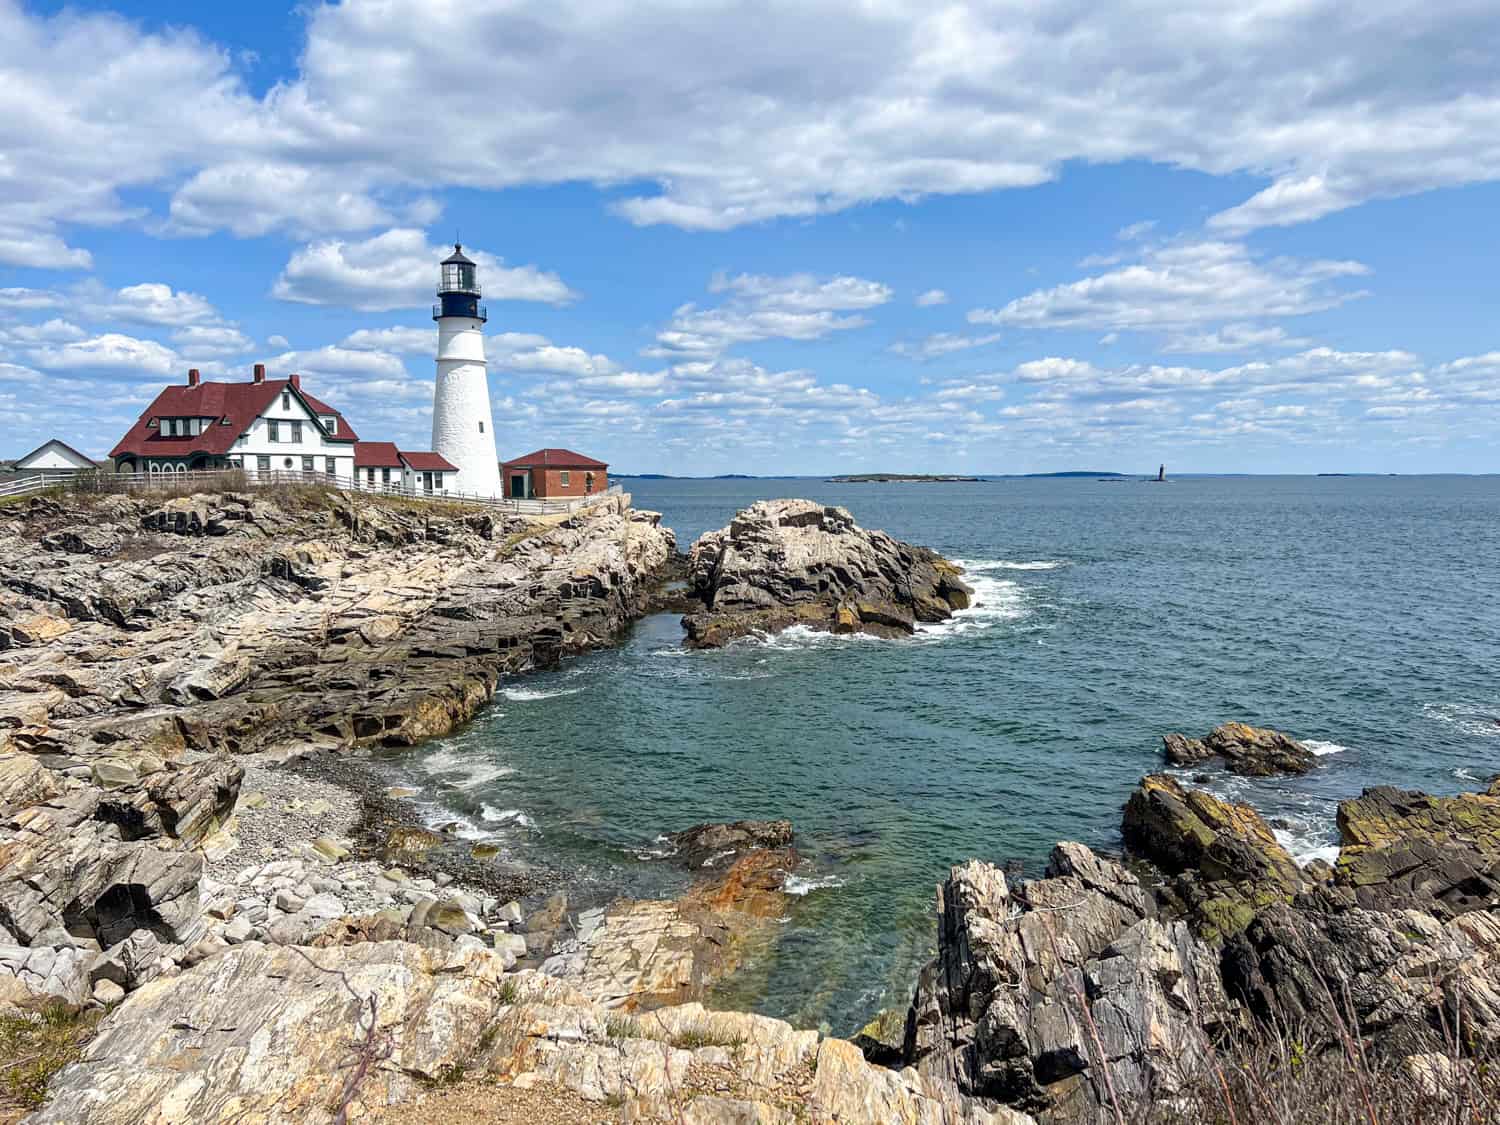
[[782, 237]]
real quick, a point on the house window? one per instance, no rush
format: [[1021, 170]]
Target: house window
[[369, 476], [286, 400], [385, 476], [562, 478], [437, 480], [263, 463], [307, 465], [297, 432], [330, 466], [273, 430]]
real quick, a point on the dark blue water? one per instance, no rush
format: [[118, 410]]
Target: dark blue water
[[1359, 613]]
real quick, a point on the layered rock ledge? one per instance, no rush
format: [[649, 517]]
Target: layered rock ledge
[[782, 563]]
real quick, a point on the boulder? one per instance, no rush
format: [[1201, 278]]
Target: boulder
[[1247, 750], [781, 563]]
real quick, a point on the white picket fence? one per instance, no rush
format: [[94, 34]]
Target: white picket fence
[[222, 479]]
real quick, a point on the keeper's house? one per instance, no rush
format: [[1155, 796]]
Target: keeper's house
[[549, 473], [267, 426]]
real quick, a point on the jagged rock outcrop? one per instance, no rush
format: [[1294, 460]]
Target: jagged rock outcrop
[[1250, 751], [1224, 862], [1065, 995], [781, 563], [1402, 936]]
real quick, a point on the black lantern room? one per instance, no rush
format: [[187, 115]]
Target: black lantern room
[[458, 291]]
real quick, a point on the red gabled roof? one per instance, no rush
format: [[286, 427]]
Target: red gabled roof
[[427, 462], [238, 403], [555, 459], [376, 455]]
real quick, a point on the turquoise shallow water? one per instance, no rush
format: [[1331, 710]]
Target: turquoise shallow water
[[1360, 613]]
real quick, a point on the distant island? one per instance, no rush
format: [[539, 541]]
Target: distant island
[[901, 478]]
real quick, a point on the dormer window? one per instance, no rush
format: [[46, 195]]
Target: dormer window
[[331, 423]]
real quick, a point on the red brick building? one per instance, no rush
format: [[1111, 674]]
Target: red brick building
[[553, 473]]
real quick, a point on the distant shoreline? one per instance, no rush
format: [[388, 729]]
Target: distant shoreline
[[902, 478]]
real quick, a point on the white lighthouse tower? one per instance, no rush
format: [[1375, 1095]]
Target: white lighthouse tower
[[462, 430]]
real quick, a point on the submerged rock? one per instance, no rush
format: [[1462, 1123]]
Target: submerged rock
[[1250, 751], [709, 845], [782, 563]]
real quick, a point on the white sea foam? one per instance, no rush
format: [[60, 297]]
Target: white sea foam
[[507, 816], [464, 770], [1306, 841], [531, 695], [796, 885], [1465, 774], [1473, 719], [995, 601], [1323, 748], [981, 566], [659, 848]]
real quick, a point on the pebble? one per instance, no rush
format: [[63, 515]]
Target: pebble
[[108, 992], [289, 901]]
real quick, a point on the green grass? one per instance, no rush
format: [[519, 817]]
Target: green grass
[[622, 1027], [35, 1047], [691, 1038]]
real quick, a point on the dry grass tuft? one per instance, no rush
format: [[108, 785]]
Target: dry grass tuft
[[1275, 1079], [34, 1047]]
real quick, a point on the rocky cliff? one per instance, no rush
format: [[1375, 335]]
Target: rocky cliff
[[144, 646], [782, 563], [1089, 989]]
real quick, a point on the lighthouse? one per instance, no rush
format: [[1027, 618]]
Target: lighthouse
[[463, 432]]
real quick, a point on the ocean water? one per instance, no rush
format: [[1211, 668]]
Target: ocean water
[[1359, 614]]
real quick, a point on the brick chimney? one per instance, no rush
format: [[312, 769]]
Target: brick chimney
[[192, 376], [295, 380], [260, 372]]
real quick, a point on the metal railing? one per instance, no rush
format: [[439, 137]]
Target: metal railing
[[232, 479]]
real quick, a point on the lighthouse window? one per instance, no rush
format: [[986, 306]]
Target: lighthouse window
[[481, 427]]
